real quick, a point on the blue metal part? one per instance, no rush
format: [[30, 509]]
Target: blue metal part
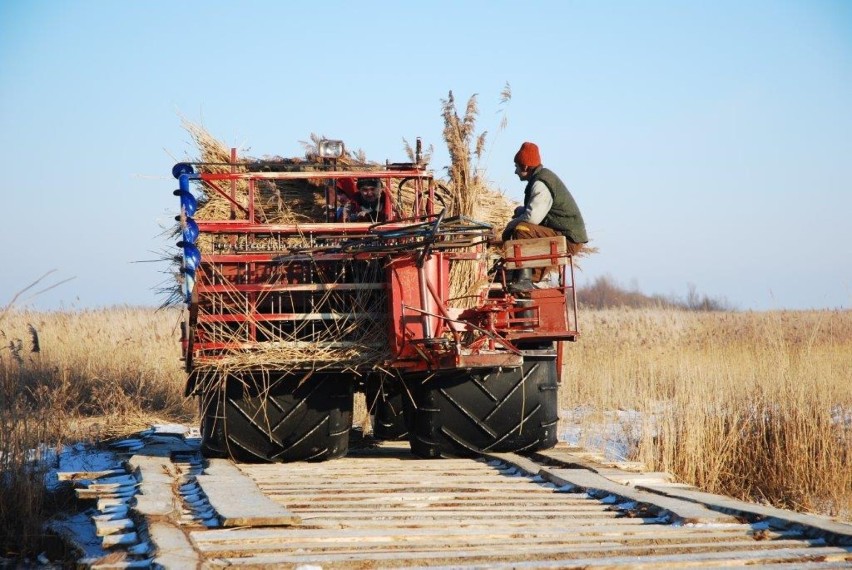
[[182, 168], [187, 202], [191, 257], [189, 229], [188, 284], [189, 232]]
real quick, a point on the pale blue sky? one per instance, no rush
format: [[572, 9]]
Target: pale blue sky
[[707, 143]]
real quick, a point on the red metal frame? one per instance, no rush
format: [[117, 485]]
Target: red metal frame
[[240, 289]]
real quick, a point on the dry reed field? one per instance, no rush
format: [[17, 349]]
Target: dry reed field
[[76, 376], [755, 405]]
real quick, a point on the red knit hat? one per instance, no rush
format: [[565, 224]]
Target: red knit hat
[[528, 156]]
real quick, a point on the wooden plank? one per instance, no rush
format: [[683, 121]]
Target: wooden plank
[[104, 504], [416, 534], [105, 527], [123, 494], [403, 469], [88, 475], [222, 481], [497, 499], [567, 511], [379, 507], [172, 547], [119, 539], [835, 532], [384, 459], [595, 556], [518, 253], [593, 461], [798, 565], [527, 465], [633, 479], [329, 552], [154, 497], [827, 554], [682, 511], [304, 490], [425, 521], [497, 525], [610, 531], [483, 480]]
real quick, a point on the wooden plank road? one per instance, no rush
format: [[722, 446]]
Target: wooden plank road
[[382, 507]]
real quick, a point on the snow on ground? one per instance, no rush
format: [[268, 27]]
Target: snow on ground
[[611, 436], [86, 465], [614, 434], [78, 458]]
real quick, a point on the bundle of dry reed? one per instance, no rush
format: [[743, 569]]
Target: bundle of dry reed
[[471, 195], [465, 194], [278, 201], [349, 338]]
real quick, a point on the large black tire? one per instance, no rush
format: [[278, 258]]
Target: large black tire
[[385, 404], [468, 413], [277, 419]]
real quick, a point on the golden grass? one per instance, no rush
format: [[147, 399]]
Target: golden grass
[[82, 376], [470, 194], [98, 362], [755, 405]]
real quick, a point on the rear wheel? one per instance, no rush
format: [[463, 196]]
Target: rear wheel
[[268, 418], [385, 402], [468, 413]]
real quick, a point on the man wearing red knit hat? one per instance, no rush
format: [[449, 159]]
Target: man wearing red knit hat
[[548, 210]]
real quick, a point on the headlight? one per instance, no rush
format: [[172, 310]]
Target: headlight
[[330, 149]]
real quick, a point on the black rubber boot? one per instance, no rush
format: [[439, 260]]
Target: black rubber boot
[[521, 281]]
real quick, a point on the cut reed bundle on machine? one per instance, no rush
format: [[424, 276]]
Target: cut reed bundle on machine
[[351, 334]]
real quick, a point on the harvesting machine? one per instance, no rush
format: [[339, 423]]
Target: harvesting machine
[[290, 312]]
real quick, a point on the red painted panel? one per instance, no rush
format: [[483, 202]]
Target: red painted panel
[[415, 312]]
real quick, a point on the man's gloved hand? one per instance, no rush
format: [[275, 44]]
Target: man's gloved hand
[[507, 234]]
